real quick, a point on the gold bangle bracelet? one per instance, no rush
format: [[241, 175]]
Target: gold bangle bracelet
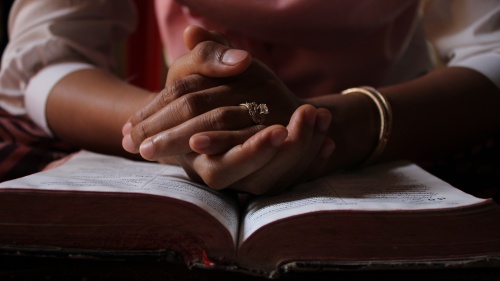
[[385, 112]]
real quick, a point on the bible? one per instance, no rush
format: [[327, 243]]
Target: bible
[[388, 216]]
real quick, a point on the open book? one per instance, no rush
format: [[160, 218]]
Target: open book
[[393, 215]]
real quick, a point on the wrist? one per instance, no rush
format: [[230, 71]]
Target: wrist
[[385, 119]]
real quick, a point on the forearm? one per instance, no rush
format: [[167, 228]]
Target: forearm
[[439, 113], [443, 112], [88, 109]]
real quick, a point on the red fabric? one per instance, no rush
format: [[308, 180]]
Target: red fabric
[[144, 57], [25, 148]]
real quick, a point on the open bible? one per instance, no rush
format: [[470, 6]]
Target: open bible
[[393, 215]]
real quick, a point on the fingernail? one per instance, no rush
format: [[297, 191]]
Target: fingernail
[[233, 56], [146, 149], [128, 144], [200, 141], [126, 128], [278, 136]]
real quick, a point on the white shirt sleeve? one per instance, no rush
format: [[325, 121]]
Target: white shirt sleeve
[[48, 39], [40, 86], [466, 33]]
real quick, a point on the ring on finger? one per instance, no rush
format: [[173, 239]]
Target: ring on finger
[[257, 111]]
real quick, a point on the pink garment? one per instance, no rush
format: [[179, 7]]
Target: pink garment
[[315, 47]]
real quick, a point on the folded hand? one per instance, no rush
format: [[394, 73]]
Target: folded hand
[[203, 93]]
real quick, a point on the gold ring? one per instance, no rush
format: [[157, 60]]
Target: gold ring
[[257, 111]]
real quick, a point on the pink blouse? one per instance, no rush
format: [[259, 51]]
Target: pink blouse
[[315, 47]]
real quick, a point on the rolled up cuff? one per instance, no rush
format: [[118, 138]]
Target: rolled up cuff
[[40, 86]]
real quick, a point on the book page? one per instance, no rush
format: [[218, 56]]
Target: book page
[[91, 172], [386, 187]]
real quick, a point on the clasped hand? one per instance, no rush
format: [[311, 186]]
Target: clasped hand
[[198, 120]]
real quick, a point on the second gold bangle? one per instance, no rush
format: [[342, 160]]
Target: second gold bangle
[[385, 112]]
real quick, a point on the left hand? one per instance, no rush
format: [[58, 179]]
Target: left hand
[[270, 161]]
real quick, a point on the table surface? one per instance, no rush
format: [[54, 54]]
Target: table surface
[[36, 268]]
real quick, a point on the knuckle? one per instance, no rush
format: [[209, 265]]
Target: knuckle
[[175, 90], [138, 116], [214, 178], [216, 120], [139, 133], [192, 104], [203, 52], [164, 96], [158, 144]]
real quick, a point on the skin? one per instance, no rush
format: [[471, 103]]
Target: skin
[[304, 150], [89, 107], [441, 112], [216, 141]]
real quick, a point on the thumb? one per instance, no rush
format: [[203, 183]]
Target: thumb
[[210, 59]]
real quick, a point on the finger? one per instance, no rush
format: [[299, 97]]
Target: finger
[[319, 162], [220, 171], [171, 92], [183, 110], [193, 35], [175, 141], [192, 72], [314, 155], [288, 161], [305, 142], [185, 162], [210, 59], [218, 142], [241, 163]]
